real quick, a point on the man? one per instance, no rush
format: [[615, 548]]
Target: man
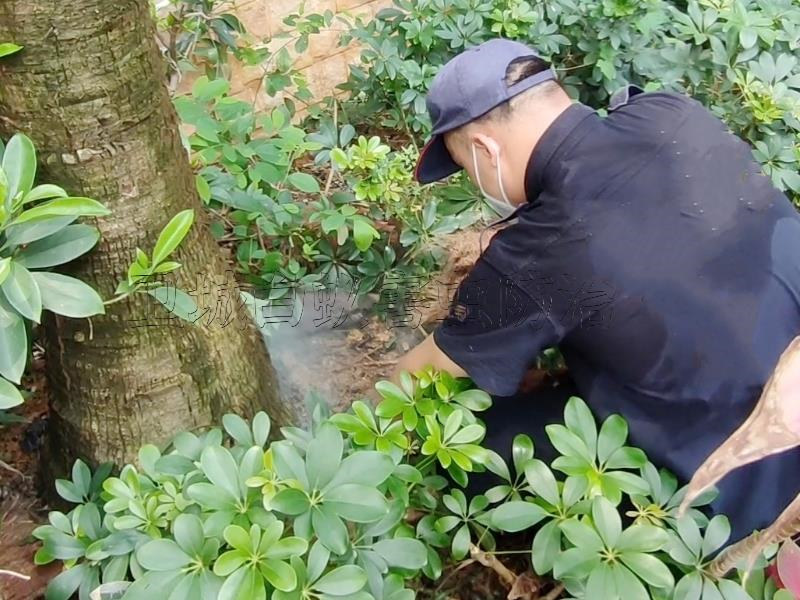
[[646, 244]]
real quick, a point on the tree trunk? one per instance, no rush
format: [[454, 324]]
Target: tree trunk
[[88, 88]]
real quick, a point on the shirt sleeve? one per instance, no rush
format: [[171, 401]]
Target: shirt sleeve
[[495, 330]]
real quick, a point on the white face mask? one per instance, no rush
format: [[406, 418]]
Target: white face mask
[[502, 207]]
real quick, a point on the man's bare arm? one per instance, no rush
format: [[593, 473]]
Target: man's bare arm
[[424, 354]]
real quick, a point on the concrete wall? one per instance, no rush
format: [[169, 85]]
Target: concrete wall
[[324, 63]]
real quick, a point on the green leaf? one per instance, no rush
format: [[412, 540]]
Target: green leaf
[[63, 207], [365, 467], [522, 451], [68, 296], [568, 443], [5, 268], [546, 547], [176, 301], [342, 581], [542, 481], [649, 569], [628, 585], [357, 503], [364, 234], [476, 400], [172, 235], [403, 553], [690, 535], [575, 563], [44, 192], [203, 189], [517, 515], [238, 538], [304, 182], [203, 89], [19, 164], [17, 235], [287, 547], [642, 538], [6, 49], [221, 470], [61, 247], [162, 555], [279, 574], [717, 533], [612, 437], [188, 531], [582, 535], [238, 429], [461, 540], [9, 395], [579, 420], [22, 292], [601, 583], [13, 345], [290, 502], [330, 529], [64, 585], [690, 587], [228, 562], [324, 455], [607, 521]]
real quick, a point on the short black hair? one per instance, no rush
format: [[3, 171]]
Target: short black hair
[[521, 68]]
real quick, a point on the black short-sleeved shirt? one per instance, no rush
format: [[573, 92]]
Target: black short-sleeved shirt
[[665, 265]]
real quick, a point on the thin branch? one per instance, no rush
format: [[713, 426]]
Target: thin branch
[[15, 574], [555, 593]]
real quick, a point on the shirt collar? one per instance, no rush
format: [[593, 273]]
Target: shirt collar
[[551, 144]]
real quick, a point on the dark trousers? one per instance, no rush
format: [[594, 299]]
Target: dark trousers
[[525, 412]]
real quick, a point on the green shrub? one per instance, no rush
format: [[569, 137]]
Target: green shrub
[[36, 234], [357, 507], [290, 229], [738, 57]]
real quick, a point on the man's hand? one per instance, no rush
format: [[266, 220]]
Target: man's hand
[[427, 353]]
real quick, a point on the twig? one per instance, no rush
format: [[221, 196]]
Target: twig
[[7, 466], [336, 130], [15, 574], [489, 560], [555, 592]]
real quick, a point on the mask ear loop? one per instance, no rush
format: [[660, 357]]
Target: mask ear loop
[[503, 220]]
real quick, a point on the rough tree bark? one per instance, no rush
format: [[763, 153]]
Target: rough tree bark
[[88, 88]]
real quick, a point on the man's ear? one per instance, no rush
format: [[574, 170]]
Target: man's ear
[[483, 143]]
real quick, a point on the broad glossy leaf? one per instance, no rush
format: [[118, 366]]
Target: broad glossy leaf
[[304, 182], [172, 235], [613, 434], [648, 568], [13, 343], [324, 455], [546, 547], [580, 420], [342, 581], [26, 233], [221, 469], [405, 553], [188, 531], [22, 292], [63, 207], [162, 555], [44, 192], [365, 467], [9, 395], [66, 583], [61, 247], [357, 503], [68, 296], [330, 529], [717, 533], [542, 481], [279, 574], [607, 521], [19, 164], [517, 515]]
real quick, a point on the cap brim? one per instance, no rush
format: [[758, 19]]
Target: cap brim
[[435, 162]]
